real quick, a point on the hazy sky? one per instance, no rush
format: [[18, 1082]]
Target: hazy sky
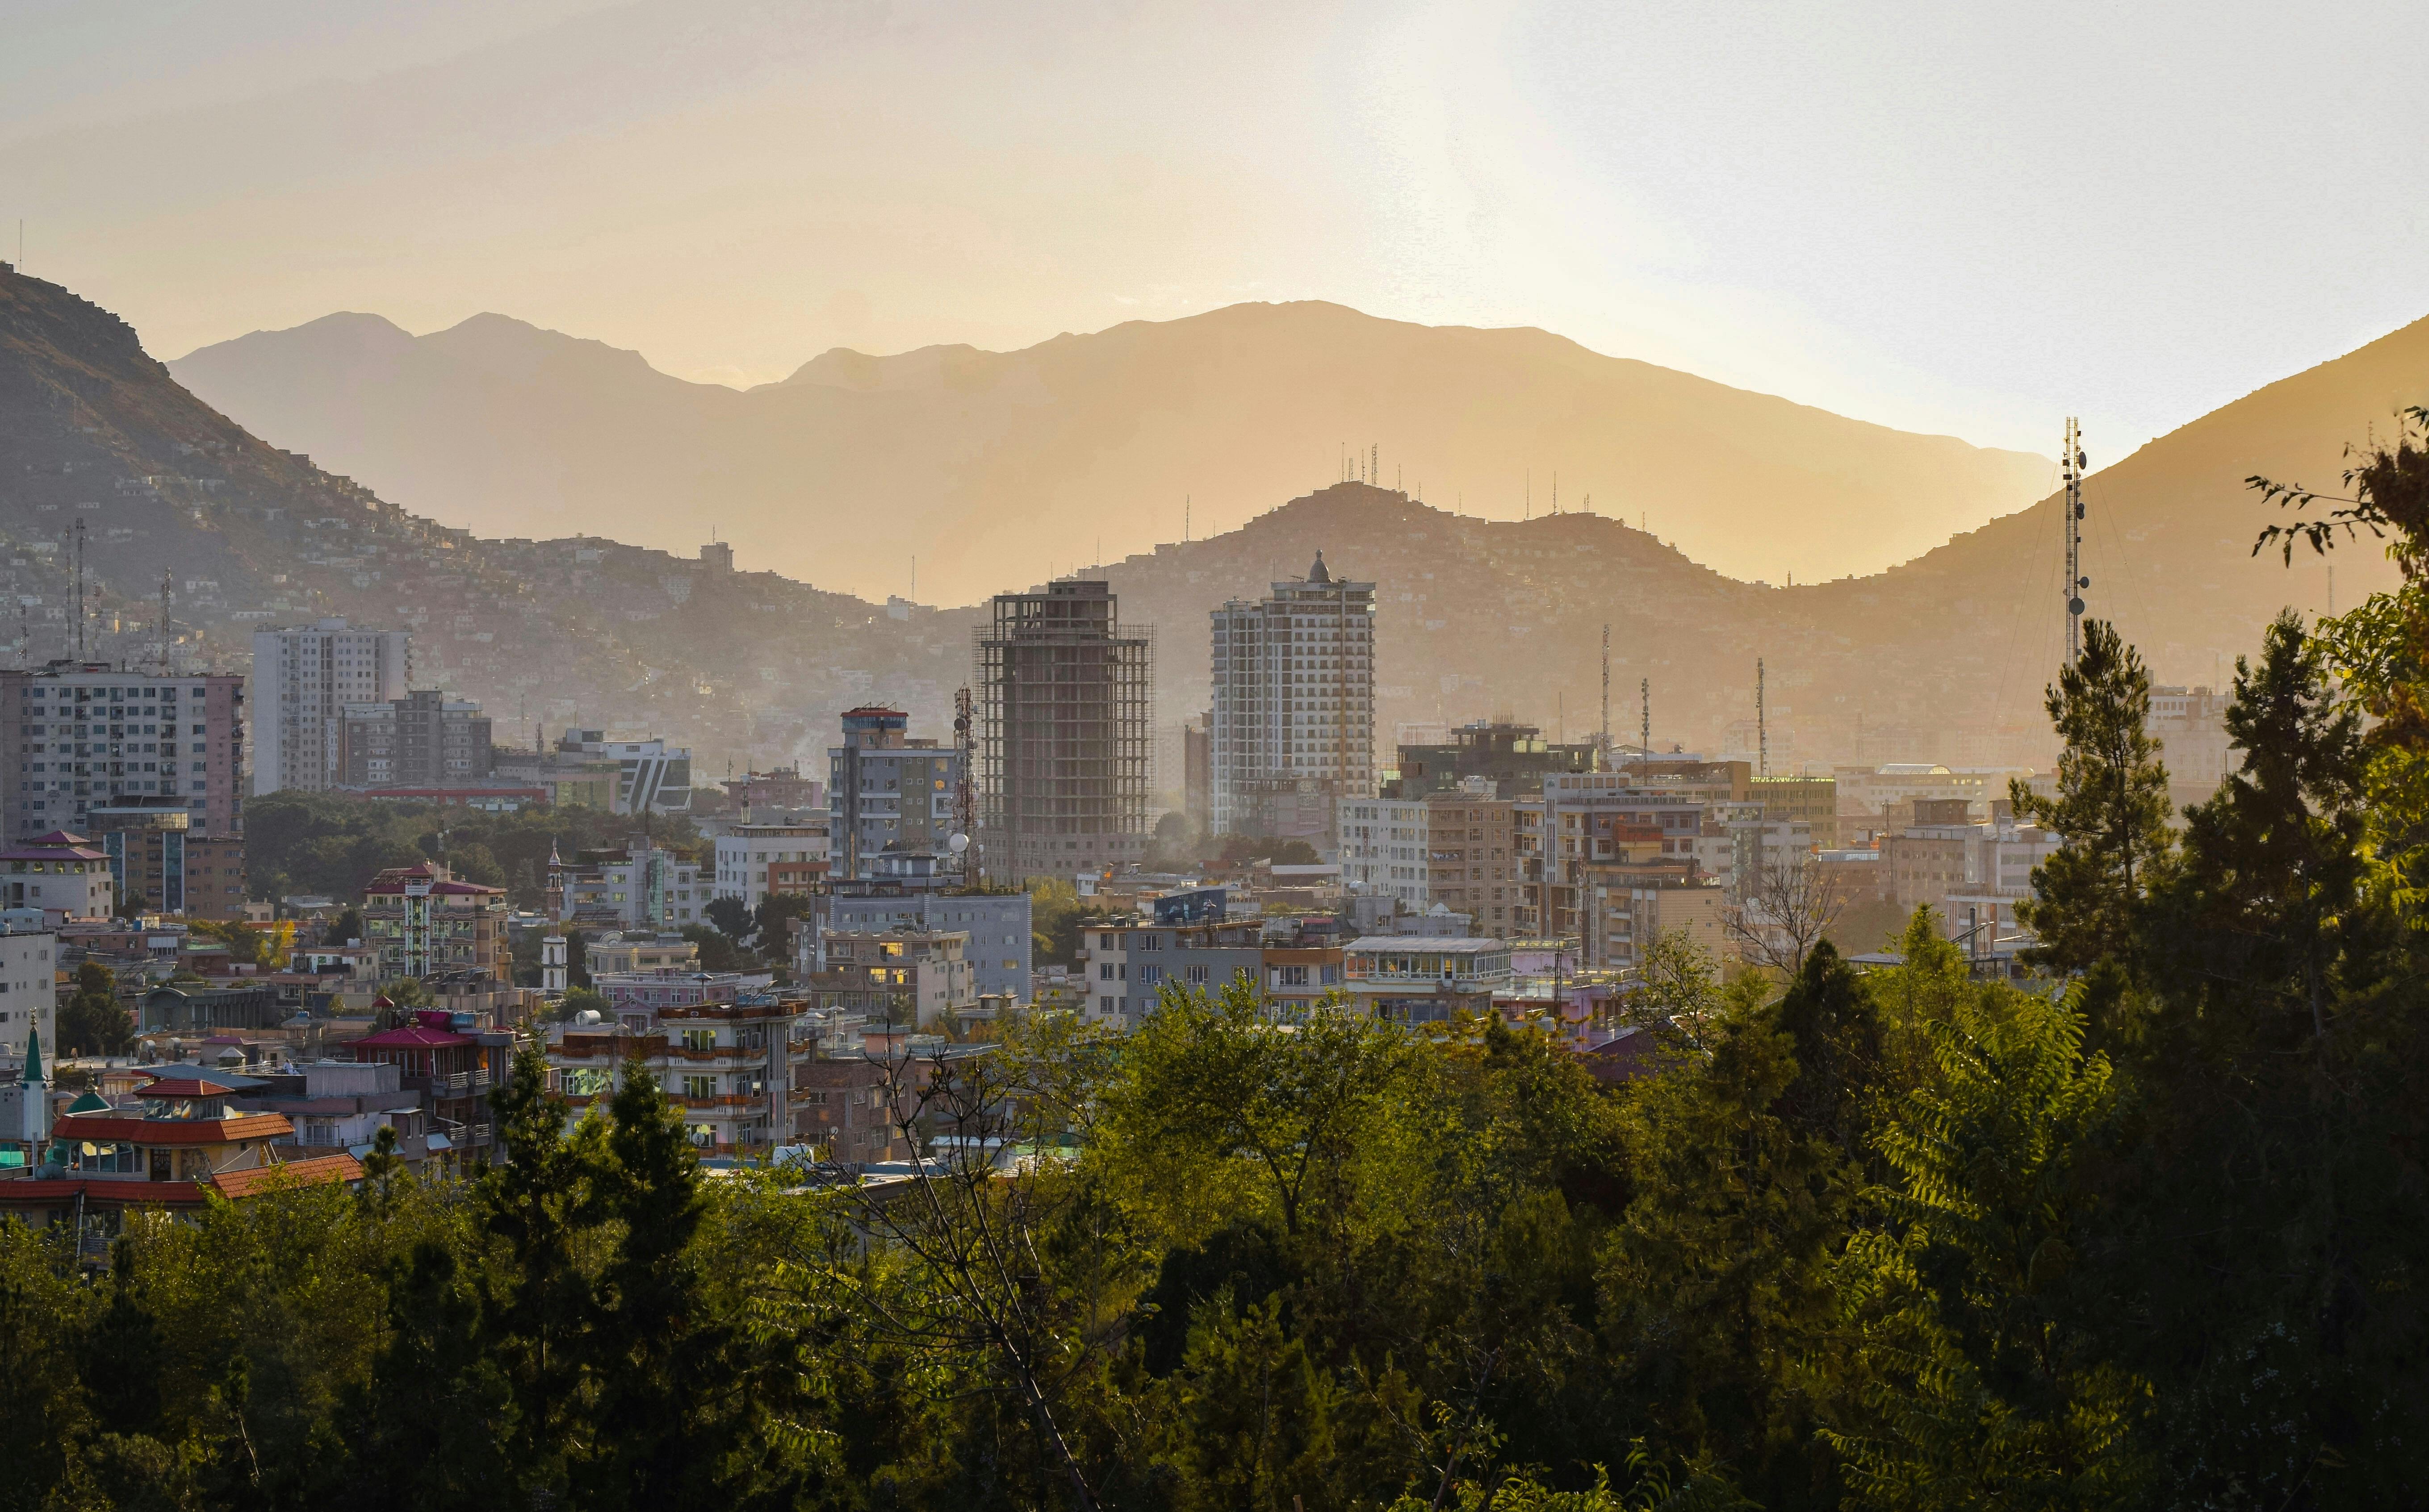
[[1970, 218]]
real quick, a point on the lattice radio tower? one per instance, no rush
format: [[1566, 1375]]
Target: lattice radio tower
[[1761, 726], [2072, 461], [1606, 693]]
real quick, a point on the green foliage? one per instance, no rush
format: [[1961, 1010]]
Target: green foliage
[[345, 927], [93, 1021], [718, 951], [732, 917], [2110, 811], [1057, 918]]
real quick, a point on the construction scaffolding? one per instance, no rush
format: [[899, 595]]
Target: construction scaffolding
[[1066, 733]]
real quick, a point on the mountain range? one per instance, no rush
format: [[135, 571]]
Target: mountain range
[[1941, 658], [1083, 449]]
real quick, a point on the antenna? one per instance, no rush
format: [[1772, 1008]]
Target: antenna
[[1644, 712], [79, 588], [164, 621], [1762, 725], [1556, 490], [1606, 693], [2073, 462], [1184, 516], [1531, 494], [1374, 462]]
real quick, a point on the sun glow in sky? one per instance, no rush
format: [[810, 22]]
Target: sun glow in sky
[[1972, 220]]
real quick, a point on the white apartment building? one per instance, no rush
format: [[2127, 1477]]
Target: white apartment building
[[1384, 845], [747, 853], [303, 678], [27, 1000], [1292, 733], [79, 734]]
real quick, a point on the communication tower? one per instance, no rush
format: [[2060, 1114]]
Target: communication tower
[[1761, 726], [2072, 461]]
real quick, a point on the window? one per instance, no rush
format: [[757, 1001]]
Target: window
[[699, 1039], [699, 1088], [1196, 975]]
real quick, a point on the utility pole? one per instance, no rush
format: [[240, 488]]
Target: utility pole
[[1761, 726], [2076, 582], [164, 621]]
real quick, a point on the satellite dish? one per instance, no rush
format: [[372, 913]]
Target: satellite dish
[[958, 843]]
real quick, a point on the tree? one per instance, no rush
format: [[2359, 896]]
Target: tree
[[732, 917], [717, 952], [2276, 858], [1678, 984], [1786, 907], [431, 1428], [346, 927], [93, 1022], [769, 922], [1981, 1386], [2111, 809], [579, 1001]]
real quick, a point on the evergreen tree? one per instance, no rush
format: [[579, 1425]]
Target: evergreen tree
[[2110, 811], [93, 1022], [431, 1428]]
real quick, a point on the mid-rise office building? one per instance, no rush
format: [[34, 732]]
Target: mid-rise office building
[[915, 892], [80, 733], [1293, 732], [886, 791], [422, 740], [158, 859], [1066, 747], [303, 678], [424, 923]]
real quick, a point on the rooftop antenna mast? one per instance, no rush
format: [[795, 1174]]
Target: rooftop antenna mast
[[2072, 461], [1762, 725], [1606, 693], [164, 621], [1645, 714], [79, 588]]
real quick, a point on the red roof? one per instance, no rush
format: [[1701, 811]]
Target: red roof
[[60, 837], [87, 1127], [318, 1171], [101, 1193], [412, 1037]]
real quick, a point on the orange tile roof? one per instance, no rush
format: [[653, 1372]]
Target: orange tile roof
[[318, 1171], [171, 1130]]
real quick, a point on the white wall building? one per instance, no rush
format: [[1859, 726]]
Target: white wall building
[[1384, 845], [28, 1004], [303, 679], [746, 851], [1294, 718]]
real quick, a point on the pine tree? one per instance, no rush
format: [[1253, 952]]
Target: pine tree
[[432, 1426], [2111, 812]]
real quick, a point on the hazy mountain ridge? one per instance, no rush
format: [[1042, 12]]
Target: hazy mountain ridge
[[983, 463]]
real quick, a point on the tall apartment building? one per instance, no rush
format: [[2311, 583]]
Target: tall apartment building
[[1066, 744], [1457, 849], [886, 791], [425, 739], [424, 923], [1294, 722], [80, 733], [303, 679]]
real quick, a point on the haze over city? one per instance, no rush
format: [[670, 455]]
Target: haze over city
[[1345, 758]]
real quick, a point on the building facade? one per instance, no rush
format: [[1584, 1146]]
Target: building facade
[[886, 791], [64, 875], [80, 733], [303, 678], [28, 1004], [1292, 730], [910, 892], [425, 739], [754, 860], [424, 923], [1066, 747]]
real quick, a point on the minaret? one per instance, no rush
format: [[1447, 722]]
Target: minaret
[[555, 881], [33, 1103]]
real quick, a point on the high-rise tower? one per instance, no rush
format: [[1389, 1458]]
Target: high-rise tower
[[1294, 722], [1066, 745]]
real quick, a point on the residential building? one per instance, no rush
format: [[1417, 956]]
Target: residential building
[[1626, 914], [853, 1109], [641, 951], [425, 923], [774, 794], [1293, 727], [917, 978], [303, 678], [28, 972], [1512, 759], [61, 874], [1125, 963], [1421, 978], [754, 860], [916, 891], [451, 1069], [1198, 773], [635, 993], [586, 769], [78, 734], [2189, 724], [1065, 743], [886, 791], [422, 740], [646, 886], [729, 1065], [185, 1135], [1384, 850], [1812, 801], [1471, 858], [1970, 874]]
